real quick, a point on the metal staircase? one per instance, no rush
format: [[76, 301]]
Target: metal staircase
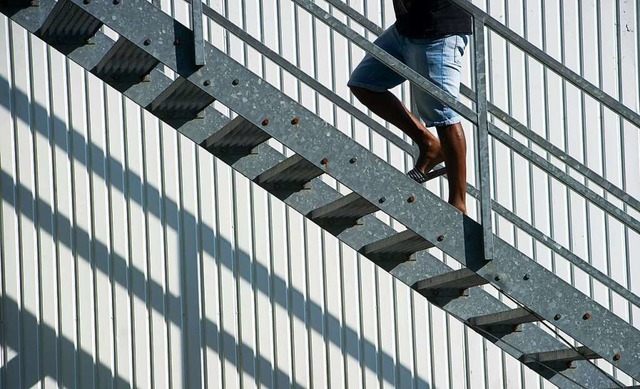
[[148, 38]]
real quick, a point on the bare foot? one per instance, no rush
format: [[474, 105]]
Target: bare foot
[[460, 205]]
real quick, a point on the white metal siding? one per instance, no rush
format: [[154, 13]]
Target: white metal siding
[[132, 258]]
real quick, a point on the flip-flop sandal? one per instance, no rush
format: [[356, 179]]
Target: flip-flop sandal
[[417, 176], [421, 178]]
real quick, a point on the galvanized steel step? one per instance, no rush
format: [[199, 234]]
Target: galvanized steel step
[[345, 211], [125, 64], [180, 102], [558, 359], [453, 284], [292, 174], [239, 137], [399, 247], [68, 26], [503, 322]]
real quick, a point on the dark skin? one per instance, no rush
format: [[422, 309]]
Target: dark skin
[[450, 148]]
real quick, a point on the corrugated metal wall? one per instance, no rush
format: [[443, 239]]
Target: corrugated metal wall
[[131, 258]]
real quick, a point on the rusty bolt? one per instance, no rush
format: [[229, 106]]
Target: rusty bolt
[[440, 238], [411, 199], [235, 82], [527, 277], [353, 160], [177, 42], [295, 120], [147, 42], [617, 357], [557, 316], [207, 82], [265, 122], [324, 161], [586, 316], [382, 200]]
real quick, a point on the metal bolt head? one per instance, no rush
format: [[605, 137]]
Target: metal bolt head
[[295, 120], [557, 317], [411, 199], [586, 316], [116, 2], [207, 82], [527, 277], [235, 82], [440, 238], [87, 1], [617, 357], [353, 160], [382, 200], [265, 122], [147, 42], [324, 161], [498, 278]]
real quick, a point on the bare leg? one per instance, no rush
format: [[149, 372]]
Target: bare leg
[[454, 147], [387, 106]]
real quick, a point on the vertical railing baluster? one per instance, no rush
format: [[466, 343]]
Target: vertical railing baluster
[[483, 136], [196, 25]]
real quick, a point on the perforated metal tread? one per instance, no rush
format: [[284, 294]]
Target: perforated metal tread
[[292, 174], [345, 211], [399, 247], [239, 137], [125, 64]]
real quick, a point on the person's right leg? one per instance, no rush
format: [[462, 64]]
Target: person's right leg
[[454, 148], [390, 108]]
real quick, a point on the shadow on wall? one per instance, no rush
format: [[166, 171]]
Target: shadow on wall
[[101, 259]]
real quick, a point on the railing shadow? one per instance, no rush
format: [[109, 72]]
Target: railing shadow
[[98, 255]]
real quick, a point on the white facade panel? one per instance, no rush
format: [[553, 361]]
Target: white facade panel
[[133, 258]]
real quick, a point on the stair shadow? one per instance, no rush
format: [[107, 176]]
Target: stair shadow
[[145, 289]]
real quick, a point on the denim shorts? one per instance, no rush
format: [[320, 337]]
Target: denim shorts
[[439, 60]]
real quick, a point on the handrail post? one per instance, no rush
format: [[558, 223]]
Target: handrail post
[[483, 136], [198, 34]]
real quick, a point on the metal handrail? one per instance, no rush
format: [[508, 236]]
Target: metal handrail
[[498, 208], [510, 120]]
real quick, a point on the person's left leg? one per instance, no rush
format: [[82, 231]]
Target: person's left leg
[[440, 61]]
